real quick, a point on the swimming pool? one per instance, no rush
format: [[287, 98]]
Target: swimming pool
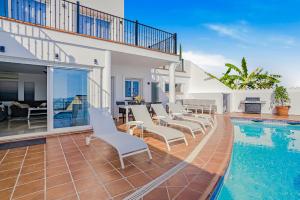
[[265, 162]]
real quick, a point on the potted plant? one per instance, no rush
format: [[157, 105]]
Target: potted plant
[[138, 99], [282, 101]]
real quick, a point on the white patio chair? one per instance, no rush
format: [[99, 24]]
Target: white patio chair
[[178, 111], [105, 129], [163, 116], [140, 113]]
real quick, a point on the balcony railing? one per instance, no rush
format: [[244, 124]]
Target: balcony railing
[[72, 17]]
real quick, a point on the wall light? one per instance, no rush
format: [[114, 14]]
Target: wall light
[[56, 56], [2, 49]]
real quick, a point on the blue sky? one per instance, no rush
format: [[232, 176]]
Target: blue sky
[[214, 32]]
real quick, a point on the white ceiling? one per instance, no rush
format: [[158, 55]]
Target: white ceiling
[[22, 68], [119, 59]]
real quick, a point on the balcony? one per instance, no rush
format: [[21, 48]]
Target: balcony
[[69, 17]]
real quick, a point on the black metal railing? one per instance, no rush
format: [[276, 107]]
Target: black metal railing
[[75, 18]]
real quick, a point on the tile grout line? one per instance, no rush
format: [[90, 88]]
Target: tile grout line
[[205, 164], [214, 151], [161, 179], [4, 156], [168, 193], [45, 171], [68, 167], [95, 174], [13, 191]]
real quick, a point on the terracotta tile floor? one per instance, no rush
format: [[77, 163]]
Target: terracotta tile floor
[[65, 168], [198, 179]]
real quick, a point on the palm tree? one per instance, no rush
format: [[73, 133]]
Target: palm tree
[[243, 79]]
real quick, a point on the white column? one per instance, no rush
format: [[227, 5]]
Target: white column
[[106, 86], [172, 94], [50, 113]]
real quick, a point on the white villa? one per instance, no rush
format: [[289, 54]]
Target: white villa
[[59, 57], [96, 106]]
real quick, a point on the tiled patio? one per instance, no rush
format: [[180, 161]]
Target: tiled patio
[[65, 168]]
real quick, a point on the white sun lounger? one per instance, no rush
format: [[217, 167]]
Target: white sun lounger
[[163, 116], [180, 107], [105, 129], [140, 113], [177, 110]]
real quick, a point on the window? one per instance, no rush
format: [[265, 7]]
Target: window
[[132, 88], [70, 98], [94, 27], [4, 8], [102, 29], [29, 11], [178, 88], [86, 25], [167, 88]]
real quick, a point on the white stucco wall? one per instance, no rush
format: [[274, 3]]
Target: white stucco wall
[[162, 77], [141, 73], [265, 95], [40, 85], [217, 97], [40, 45], [114, 7], [200, 82], [201, 86]]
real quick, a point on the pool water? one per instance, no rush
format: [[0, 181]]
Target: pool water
[[265, 162]]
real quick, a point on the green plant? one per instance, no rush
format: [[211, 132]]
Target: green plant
[[281, 96], [241, 78]]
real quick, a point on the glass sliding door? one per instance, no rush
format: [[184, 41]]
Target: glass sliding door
[[70, 98]]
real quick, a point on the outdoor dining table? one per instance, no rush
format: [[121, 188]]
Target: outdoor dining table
[[125, 106]]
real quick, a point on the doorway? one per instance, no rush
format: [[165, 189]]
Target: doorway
[[23, 99], [28, 91], [154, 92], [226, 103]]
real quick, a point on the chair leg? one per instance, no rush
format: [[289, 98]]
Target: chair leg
[[185, 141], [88, 140], [122, 162], [149, 154], [193, 134], [168, 146], [202, 129]]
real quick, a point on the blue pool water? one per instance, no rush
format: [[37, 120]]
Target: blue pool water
[[265, 162]]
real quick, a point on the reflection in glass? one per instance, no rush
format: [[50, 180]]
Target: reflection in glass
[[29, 11], [132, 88], [135, 88], [127, 88], [70, 98]]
